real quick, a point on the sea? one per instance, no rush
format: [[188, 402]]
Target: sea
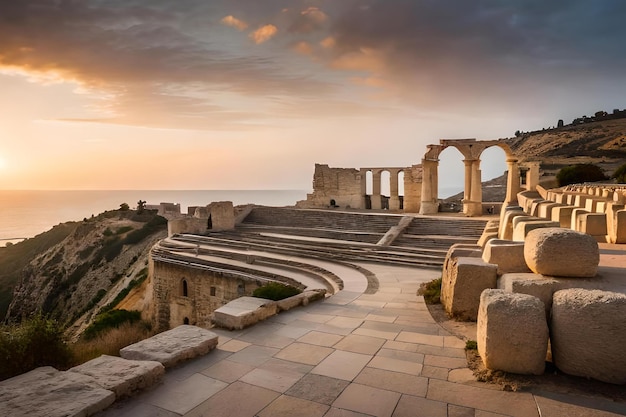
[[25, 214]]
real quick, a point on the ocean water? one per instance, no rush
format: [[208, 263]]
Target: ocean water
[[24, 214]]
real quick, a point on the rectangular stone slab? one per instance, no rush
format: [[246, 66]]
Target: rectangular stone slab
[[47, 392], [122, 376], [173, 346]]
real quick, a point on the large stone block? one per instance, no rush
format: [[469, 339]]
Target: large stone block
[[532, 284], [506, 254], [594, 224], [243, 312], [47, 392], [524, 226], [461, 288], [561, 252], [173, 346], [506, 228], [122, 376], [455, 251], [563, 215], [512, 332], [588, 334]]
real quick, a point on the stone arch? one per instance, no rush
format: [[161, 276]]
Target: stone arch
[[471, 149], [186, 320]]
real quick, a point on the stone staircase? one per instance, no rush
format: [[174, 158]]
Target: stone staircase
[[348, 236]]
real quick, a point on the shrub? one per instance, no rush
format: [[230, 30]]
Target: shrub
[[37, 341], [110, 341], [275, 291], [431, 291], [578, 173], [471, 345], [110, 319], [620, 174]]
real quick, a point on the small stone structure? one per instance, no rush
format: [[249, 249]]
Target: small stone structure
[[512, 332], [217, 216], [172, 346], [184, 294]]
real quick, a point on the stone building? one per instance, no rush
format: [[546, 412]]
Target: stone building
[[184, 293]]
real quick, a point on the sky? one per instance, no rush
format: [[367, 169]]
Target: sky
[[250, 94]]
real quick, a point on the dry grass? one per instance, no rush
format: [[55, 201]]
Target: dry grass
[[111, 341]]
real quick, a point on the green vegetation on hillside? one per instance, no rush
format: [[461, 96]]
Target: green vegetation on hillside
[[99, 242], [620, 174], [37, 341], [110, 319], [14, 258], [579, 173]]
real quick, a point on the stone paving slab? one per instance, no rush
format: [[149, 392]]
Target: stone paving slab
[[173, 346], [122, 376], [47, 392]]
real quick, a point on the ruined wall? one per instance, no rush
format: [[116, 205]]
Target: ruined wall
[[222, 215], [340, 184], [205, 292], [413, 189]]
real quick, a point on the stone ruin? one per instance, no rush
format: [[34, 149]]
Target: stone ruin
[[535, 288], [347, 187]]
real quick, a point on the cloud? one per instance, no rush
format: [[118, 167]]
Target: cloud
[[263, 34], [234, 22], [430, 51], [309, 20]]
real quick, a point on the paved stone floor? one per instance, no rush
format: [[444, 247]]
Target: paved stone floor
[[353, 354]]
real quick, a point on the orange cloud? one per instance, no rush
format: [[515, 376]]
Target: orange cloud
[[263, 34], [328, 42], [303, 48], [232, 21]]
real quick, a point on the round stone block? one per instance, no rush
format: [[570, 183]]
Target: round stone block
[[555, 251]]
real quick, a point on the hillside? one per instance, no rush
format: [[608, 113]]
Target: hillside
[[79, 265], [602, 143]]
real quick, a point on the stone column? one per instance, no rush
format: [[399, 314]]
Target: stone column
[[394, 200], [532, 176], [467, 194], [474, 207], [376, 203], [363, 188], [430, 180], [512, 183]]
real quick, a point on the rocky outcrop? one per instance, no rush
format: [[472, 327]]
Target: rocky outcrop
[[88, 267]]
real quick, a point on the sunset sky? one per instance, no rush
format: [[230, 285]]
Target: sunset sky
[[249, 94]]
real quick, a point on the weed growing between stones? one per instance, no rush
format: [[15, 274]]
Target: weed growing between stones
[[431, 291]]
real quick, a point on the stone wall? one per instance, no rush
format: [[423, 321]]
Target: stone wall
[[343, 185], [183, 292], [413, 189]]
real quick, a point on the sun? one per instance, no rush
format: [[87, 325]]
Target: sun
[[3, 163]]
